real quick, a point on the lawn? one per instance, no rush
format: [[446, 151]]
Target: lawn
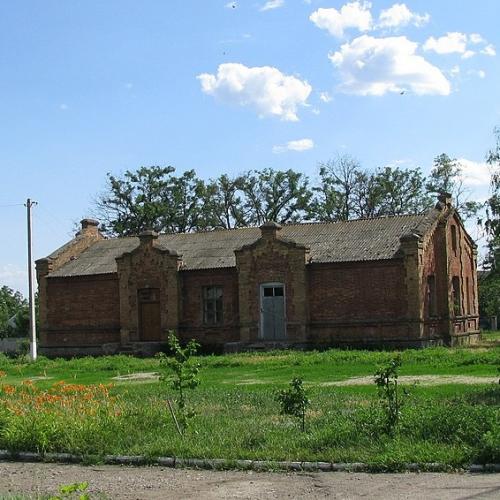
[[451, 413]]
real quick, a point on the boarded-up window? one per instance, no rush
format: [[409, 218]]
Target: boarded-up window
[[454, 239], [431, 296], [212, 305], [455, 290]]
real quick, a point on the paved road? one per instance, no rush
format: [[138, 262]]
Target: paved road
[[118, 482]]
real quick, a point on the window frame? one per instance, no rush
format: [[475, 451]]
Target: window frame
[[217, 305]]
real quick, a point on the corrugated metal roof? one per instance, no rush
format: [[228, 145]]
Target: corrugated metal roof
[[356, 240]]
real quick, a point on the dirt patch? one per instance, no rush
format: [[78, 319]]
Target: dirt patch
[[126, 483], [138, 377], [419, 380], [39, 377], [248, 381]]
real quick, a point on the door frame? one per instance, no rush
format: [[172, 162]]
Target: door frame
[[261, 311], [140, 301]]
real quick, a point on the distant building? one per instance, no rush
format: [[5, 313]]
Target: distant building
[[390, 281]]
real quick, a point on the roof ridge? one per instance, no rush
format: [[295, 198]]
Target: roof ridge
[[285, 224]]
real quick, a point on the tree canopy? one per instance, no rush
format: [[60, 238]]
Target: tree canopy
[[158, 198], [14, 317]]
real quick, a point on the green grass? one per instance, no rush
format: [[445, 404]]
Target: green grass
[[238, 416]]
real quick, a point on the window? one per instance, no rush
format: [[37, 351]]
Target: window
[[273, 291], [431, 296], [212, 305], [455, 290], [454, 239]]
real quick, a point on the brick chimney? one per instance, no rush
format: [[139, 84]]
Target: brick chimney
[[147, 237], [90, 227], [445, 200], [269, 230]]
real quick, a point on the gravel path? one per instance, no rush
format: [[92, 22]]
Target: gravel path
[[118, 482]]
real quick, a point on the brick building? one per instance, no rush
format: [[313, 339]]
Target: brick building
[[395, 281]]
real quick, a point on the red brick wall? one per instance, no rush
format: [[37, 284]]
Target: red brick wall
[[359, 302], [461, 263], [191, 307], [82, 311]]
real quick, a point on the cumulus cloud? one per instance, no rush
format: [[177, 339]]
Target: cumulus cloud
[[475, 174], [351, 15], [264, 88], [489, 50], [458, 43], [447, 44], [400, 15], [272, 4], [375, 66], [298, 145]]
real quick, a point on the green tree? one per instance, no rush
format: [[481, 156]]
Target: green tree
[[493, 205], [446, 177], [402, 191], [489, 294], [135, 201], [274, 195], [335, 195], [223, 202], [152, 198], [386, 380], [184, 210], [14, 318], [294, 401], [184, 371]]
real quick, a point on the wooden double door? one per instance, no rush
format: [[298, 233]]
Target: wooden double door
[[149, 314]]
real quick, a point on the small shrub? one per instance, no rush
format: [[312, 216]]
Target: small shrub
[[74, 490], [185, 374], [386, 379], [294, 401]]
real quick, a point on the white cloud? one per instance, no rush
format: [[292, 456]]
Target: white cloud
[[231, 5], [447, 44], [457, 43], [375, 66], [265, 88], [351, 15], [14, 277], [489, 50], [325, 96], [298, 145], [455, 70], [272, 4], [476, 38], [475, 174], [400, 15]]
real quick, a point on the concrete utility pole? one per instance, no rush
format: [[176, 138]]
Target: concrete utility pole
[[33, 353]]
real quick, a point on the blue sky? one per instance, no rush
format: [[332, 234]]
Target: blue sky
[[89, 87]]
